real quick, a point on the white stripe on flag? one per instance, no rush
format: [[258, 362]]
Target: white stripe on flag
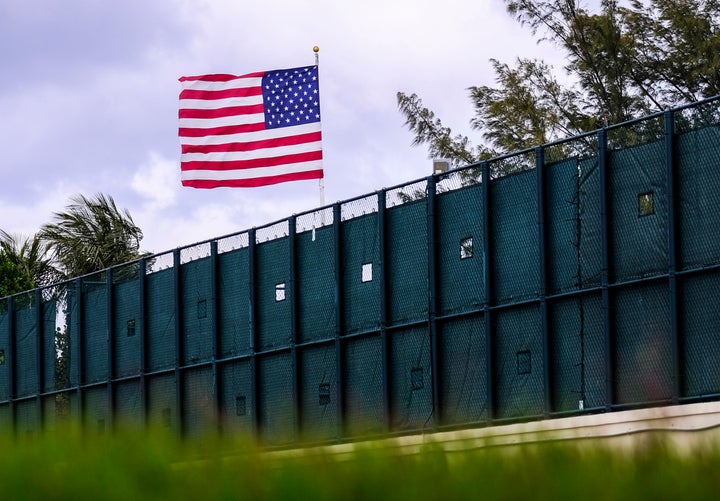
[[248, 137], [258, 172], [215, 104], [229, 156], [209, 123]]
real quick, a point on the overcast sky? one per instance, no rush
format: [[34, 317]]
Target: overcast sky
[[89, 95]]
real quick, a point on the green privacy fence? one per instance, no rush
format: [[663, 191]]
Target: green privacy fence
[[576, 277]]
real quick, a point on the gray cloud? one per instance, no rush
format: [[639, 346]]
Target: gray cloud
[[69, 40], [89, 98]]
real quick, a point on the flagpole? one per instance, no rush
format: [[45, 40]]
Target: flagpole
[[321, 181]]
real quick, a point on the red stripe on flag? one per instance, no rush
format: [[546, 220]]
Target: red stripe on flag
[[221, 131], [310, 137], [254, 182], [220, 77], [230, 111], [252, 163]]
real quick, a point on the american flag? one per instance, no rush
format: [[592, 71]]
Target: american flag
[[250, 130]]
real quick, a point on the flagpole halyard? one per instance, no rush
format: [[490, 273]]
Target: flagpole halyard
[[321, 181]]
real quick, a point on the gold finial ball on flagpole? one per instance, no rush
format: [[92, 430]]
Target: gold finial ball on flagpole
[[316, 49]]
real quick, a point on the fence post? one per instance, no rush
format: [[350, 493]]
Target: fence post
[[292, 291], [40, 353], [383, 265], [676, 341], [110, 337], [431, 232], [252, 292], [339, 315], [142, 332], [215, 332], [79, 351], [177, 296], [605, 271], [10, 359], [542, 241], [487, 311]]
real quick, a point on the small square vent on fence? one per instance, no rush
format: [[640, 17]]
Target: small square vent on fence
[[367, 272], [324, 394], [466, 248], [240, 409], [202, 308], [416, 378], [280, 292], [131, 327], [167, 417], [524, 362], [646, 204]]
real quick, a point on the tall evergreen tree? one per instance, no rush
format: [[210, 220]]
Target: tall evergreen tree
[[624, 61]]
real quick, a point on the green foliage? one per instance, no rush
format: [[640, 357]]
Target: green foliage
[[30, 255], [526, 109], [13, 279], [62, 373], [599, 49], [622, 62], [130, 465], [678, 56], [90, 235], [430, 130]]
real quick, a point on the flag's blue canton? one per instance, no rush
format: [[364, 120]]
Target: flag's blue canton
[[291, 97]]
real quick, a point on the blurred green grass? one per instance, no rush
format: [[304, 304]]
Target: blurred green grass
[[66, 464]]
